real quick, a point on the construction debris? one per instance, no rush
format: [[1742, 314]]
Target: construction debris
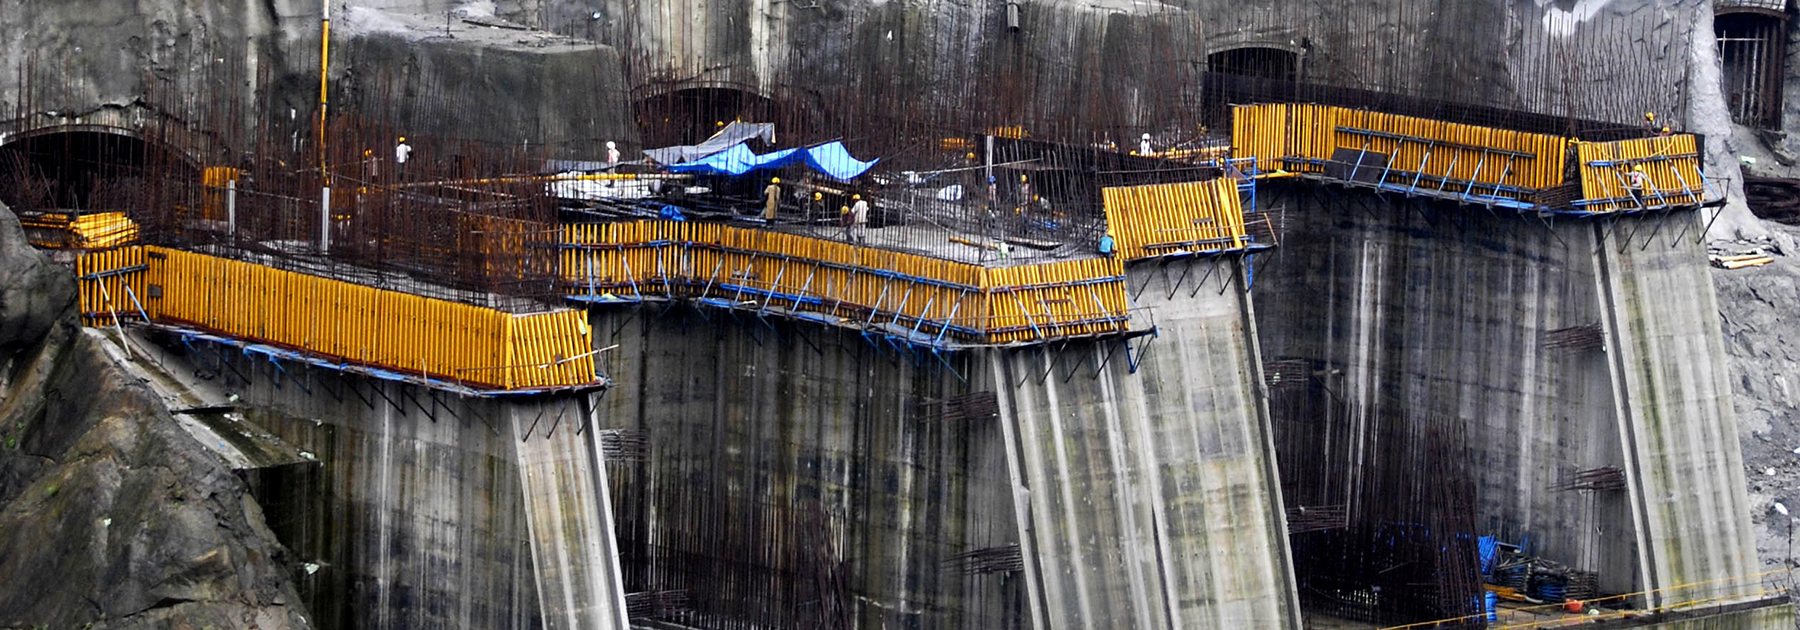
[[1740, 261]]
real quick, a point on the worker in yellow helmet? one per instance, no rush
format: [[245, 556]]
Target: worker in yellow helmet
[[1636, 182], [1025, 195], [771, 198], [402, 152], [859, 219]]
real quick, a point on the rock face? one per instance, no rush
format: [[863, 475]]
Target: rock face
[[113, 516], [1756, 305]]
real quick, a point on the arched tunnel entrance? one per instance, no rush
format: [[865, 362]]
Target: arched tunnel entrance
[[1248, 74], [688, 116], [1752, 49], [87, 169]]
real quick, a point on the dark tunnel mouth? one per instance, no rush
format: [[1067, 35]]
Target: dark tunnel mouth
[[690, 115], [1260, 62], [1752, 47], [85, 169]]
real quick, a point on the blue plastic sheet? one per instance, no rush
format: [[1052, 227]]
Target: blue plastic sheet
[[1487, 547], [832, 159]]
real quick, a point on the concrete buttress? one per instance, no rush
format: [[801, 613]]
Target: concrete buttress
[[569, 517], [1145, 484]]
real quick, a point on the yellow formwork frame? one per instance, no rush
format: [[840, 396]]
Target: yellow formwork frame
[[1671, 164], [1476, 160], [401, 332], [1147, 221], [101, 230], [760, 268], [103, 278]]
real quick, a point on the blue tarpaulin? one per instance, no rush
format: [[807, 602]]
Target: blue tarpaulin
[[831, 159]]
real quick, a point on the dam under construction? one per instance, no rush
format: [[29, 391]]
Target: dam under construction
[[1043, 317]]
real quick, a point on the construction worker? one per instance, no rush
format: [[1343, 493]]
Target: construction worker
[[1144, 146], [815, 206], [402, 152], [612, 153], [771, 198], [1650, 121], [1635, 183], [1665, 132], [859, 219]]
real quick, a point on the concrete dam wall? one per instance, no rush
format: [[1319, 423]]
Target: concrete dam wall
[[788, 462], [1409, 312], [1408, 365]]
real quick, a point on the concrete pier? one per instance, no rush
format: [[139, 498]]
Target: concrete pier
[[1674, 404], [426, 509], [1147, 488], [1543, 348], [796, 474], [568, 514]]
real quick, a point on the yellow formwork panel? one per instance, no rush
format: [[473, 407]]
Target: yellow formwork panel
[[1438, 149], [401, 332], [1313, 135], [762, 268], [1671, 164], [104, 276], [1260, 131], [100, 230], [1146, 221], [1481, 160]]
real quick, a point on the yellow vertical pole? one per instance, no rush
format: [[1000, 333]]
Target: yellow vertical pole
[[324, 70]]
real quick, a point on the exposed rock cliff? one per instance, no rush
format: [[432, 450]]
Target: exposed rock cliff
[[112, 516], [1757, 306]]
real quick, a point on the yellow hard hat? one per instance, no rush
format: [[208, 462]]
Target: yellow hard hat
[[403, 138], [818, 196], [1639, 168], [775, 180], [971, 155], [1665, 130], [1650, 116], [718, 123], [856, 197], [1021, 178]]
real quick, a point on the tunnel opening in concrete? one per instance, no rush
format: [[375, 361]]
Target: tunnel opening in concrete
[[1245, 75], [1752, 46], [86, 170], [690, 115]]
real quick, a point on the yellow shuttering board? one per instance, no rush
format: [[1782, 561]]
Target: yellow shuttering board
[[1311, 135], [1671, 163], [404, 333], [105, 276], [1260, 131], [1434, 148], [1151, 220], [793, 272], [1420, 151], [99, 230]]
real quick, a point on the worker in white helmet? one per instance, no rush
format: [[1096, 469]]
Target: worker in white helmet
[[612, 152], [1144, 145]]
